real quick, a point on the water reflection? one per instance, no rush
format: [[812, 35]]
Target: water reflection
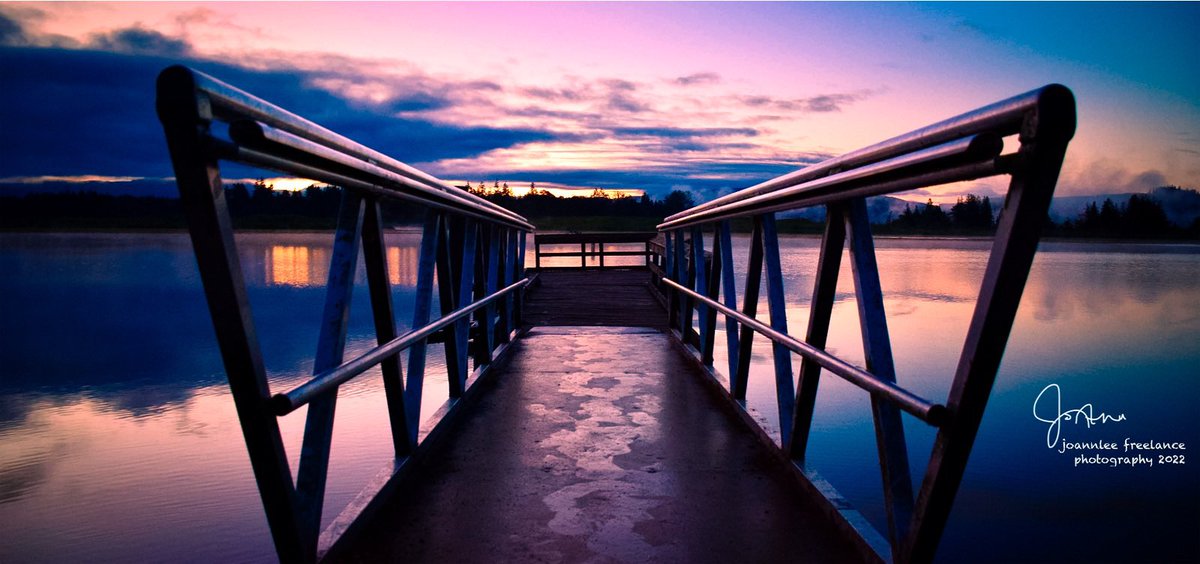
[[113, 399], [308, 265]]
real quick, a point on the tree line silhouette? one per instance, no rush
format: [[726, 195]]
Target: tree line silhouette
[[259, 206]]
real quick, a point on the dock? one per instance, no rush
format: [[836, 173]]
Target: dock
[[587, 420], [599, 444]]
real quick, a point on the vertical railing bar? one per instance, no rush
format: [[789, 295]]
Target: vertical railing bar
[[1029, 195], [375, 260], [669, 271], [449, 261], [687, 274], [738, 382], [489, 311], [462, 327], [432, 237], [504, 307], [583, 255], [877, 348], [519, 307], [829, 263], [784, 389], [708, 317], [477, 321], [185, 117], [331, 344], [730, 294], [699, 283]]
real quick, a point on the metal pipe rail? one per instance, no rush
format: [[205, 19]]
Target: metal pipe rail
[[225, 102], [965, 147], [1002, 118], [471, 249], [933, 414], [287, 402]]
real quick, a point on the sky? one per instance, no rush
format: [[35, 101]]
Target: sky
[[702, 97]]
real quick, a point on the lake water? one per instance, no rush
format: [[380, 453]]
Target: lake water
[[119, 441]]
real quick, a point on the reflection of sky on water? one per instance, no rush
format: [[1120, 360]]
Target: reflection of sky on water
[[1115, 328], [114, 402]]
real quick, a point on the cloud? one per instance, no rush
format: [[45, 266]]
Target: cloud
[[822, 103], [624, 103], [12, 33], [676, 132], [79, 111], [698, 78], [140, 41]]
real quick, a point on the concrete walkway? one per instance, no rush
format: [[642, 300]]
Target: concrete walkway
[[599, 444]]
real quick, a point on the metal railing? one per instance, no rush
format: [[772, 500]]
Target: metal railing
[[965, 147], [474, 249], [593, 245]]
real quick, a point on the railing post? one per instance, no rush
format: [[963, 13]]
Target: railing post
[[186, 115], [462, 327], [699, 282], [432, 239], [723, 240], [487, 325], [877, 348], [784, 389], [375, 259], [824, 292], [331, 345], [684, 277], [1044, 137], [519, 266], [712, 289], [754, 265], [669, 272]]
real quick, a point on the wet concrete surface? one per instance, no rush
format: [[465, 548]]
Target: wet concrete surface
[[599, 445]]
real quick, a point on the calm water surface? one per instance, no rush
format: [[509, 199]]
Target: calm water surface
[[119, 442]]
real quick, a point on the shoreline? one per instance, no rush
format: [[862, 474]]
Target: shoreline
[[4, 232]]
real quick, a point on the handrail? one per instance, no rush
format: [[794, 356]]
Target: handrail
[[471, 249], [236, 106], [1001, 118], [931, 413], [287, 402], [964, 159], [701, 286]]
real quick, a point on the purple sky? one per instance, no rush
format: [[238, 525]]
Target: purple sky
[[707, 97]]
